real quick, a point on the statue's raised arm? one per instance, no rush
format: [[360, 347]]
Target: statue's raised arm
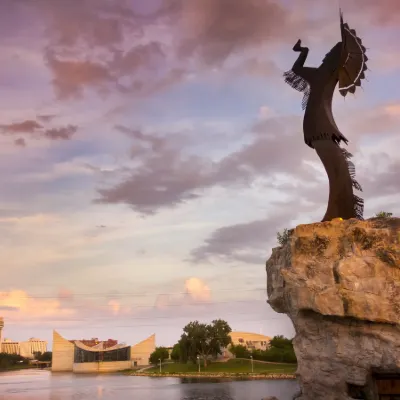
[[345, 65], [299, 77]]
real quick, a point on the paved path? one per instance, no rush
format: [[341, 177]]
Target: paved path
[[153, 366]]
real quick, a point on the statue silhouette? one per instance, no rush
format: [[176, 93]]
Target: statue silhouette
[[344, 64]]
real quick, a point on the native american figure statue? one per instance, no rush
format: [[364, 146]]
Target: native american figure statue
[[344, 64]]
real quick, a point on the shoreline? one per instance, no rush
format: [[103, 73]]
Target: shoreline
[[19, 368], [217, 375]]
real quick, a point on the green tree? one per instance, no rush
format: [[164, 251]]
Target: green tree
[[280, 350], [176, 352], [10, 360], [46, 356], [383, 214], [221, 330], [187, 349], [240, 351], [280, 342], [159, 353], [204, 340]]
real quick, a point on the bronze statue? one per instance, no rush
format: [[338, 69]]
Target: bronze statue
[[344, 64]]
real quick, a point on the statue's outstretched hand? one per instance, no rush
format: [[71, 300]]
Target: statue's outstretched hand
[[297, 47]]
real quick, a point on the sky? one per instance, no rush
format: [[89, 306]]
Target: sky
[[150, 151]]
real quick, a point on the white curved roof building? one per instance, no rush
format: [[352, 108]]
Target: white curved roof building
[[82, 356]]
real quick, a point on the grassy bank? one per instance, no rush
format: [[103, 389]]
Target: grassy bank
[[235, 368], [16, 367]]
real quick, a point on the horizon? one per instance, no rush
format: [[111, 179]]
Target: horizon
[[50, 343], [151, 153]]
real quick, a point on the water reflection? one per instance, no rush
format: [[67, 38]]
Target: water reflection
[[42, 385], [193, 389], [207, 394]]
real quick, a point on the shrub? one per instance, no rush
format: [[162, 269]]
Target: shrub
[[240, 351], [283, 237], [383, 214]]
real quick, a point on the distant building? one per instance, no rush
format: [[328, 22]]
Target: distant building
[[82, 356], [1, 333], [27, 349], [252, 341]]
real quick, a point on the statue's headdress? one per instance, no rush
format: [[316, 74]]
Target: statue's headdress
[[353, 60]]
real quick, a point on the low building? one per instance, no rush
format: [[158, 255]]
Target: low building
[[82, 356], [252, 341]]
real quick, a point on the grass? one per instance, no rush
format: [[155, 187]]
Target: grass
[[231, 366], [16, 367]]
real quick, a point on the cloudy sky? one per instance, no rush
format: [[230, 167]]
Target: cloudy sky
[[150, 151]]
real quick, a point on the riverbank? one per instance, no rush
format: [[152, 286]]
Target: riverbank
[[17, 367], [235, 368], [214, 375]]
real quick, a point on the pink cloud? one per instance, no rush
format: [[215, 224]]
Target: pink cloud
[[110, 45], [215, 29], [70, 77], [46, 118], [27, 126], [63, 133], [36, 130], [384, 118], [18, 305], [383, 12], [196, 291], [115, 306], [20, 142], [65, 294]]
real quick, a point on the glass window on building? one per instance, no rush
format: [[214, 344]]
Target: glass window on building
[[84, 356]]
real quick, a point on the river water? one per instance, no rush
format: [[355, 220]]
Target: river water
[[43, 385]]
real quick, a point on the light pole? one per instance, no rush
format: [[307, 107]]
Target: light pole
[[198, 360], [160, 364], [252, 366]]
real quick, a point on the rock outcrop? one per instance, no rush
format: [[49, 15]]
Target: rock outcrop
[[339, 283]]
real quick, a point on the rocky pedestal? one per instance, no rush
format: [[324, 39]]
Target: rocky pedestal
[[339, 283]]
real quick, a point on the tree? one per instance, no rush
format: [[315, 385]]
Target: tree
[[280, 350], [240, 351], [383, 214], [221, 330], [10, 360], [159, 353], [204, 340], [186, 351], [280, 342], [46, 356], [176, 352]]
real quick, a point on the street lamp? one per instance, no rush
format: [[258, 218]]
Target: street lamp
[[252, 366], [160, 364], [198, 360]]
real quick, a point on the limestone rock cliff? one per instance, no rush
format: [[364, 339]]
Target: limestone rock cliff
[[339, 283]]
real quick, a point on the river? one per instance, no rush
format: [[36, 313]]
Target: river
[[43, 385]]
